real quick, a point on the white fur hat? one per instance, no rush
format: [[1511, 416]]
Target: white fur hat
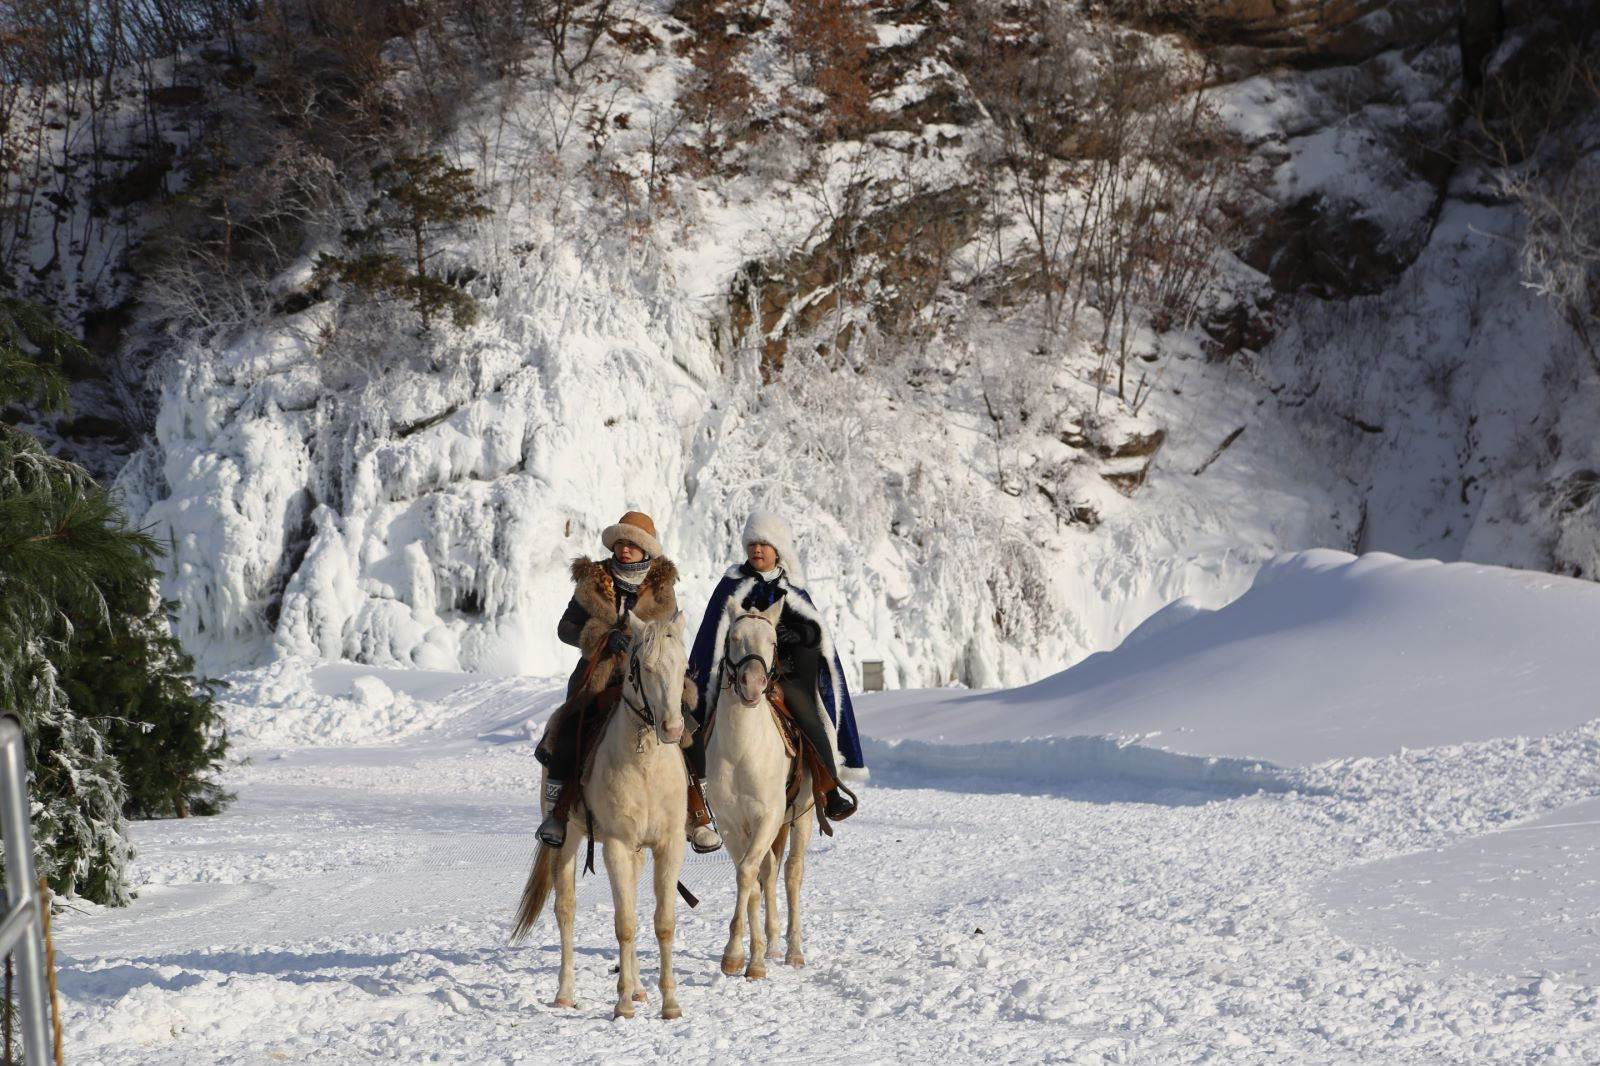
[[766, 527]]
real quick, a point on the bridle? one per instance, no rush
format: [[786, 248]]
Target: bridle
[[642, 710], [730, 674]]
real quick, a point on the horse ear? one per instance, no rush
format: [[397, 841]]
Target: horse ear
[[679, 623], [731, 609], [773, 613], [633, 623]]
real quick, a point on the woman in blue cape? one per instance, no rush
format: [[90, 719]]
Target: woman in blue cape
[[813, 682]]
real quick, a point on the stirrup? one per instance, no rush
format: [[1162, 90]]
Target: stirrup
[[704, 839], [552, 832], [552, 796], [839, 806]]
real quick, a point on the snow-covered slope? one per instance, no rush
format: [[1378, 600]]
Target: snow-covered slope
[[1327, 656], [333, 485], [1428, 905], [973, 503]]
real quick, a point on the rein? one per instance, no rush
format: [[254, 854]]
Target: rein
[[643, 711]]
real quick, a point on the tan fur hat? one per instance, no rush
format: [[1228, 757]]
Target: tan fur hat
[[635, 526]]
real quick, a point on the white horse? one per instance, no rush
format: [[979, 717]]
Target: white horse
[[747, 770], [633, 798]]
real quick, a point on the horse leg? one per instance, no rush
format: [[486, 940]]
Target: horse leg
[[794, 874], [762, 872], [667, 867], [566, 909], [769, 889], [757, 969], [622, 864], [740, 845]]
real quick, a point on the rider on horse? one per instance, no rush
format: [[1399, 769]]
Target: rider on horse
[[637, 579], [808, 669]]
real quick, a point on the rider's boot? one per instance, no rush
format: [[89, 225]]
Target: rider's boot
[[838, 805], [703, 836], [802, 704], [552, 832]]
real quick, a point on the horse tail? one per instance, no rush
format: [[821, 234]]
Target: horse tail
[[540, 881]]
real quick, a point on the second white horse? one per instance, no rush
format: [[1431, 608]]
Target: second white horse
[[748, 767]]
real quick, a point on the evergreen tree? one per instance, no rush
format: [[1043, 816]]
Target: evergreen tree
[[163, 726], [33, 346], [60, 537], [416, 197], [85, 655]]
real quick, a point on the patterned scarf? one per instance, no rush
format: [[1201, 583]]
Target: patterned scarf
[[628, 576]]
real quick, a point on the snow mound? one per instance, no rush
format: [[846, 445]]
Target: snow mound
[[1326, 656], [300, 701]]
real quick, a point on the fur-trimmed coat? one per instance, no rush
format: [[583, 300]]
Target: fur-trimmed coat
[[593, 613], [745, 587]]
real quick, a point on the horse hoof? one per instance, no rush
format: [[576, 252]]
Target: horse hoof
[[624, 1010], [564, 1001], [731, 967], [641, 997], [672, 1013], [795, 959], [753, 974]]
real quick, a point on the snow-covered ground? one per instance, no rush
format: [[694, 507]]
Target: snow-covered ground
[[1347, 818]]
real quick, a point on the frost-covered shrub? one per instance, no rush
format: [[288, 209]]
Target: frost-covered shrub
[[1572, 507], [224, 253], [1561, 241]]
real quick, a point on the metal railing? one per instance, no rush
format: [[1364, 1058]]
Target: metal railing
[[22, 928]]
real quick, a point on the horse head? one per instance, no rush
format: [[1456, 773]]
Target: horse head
[[751, 653], [657, 661]]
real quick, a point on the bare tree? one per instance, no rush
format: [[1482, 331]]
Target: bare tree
[[1115, 163], [1539, 131], [572, 29]]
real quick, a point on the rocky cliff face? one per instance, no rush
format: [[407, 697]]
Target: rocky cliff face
[[1260, 34], [1396, 245]]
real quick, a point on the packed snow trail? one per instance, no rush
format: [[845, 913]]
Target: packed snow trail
[[354, 905]]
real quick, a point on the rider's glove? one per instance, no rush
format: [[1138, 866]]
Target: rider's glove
[[800, 633], [616, 642]]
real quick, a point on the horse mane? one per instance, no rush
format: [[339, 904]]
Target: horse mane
[[650, 636]]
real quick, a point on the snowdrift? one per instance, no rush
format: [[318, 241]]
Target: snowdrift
[[1326, 656]]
